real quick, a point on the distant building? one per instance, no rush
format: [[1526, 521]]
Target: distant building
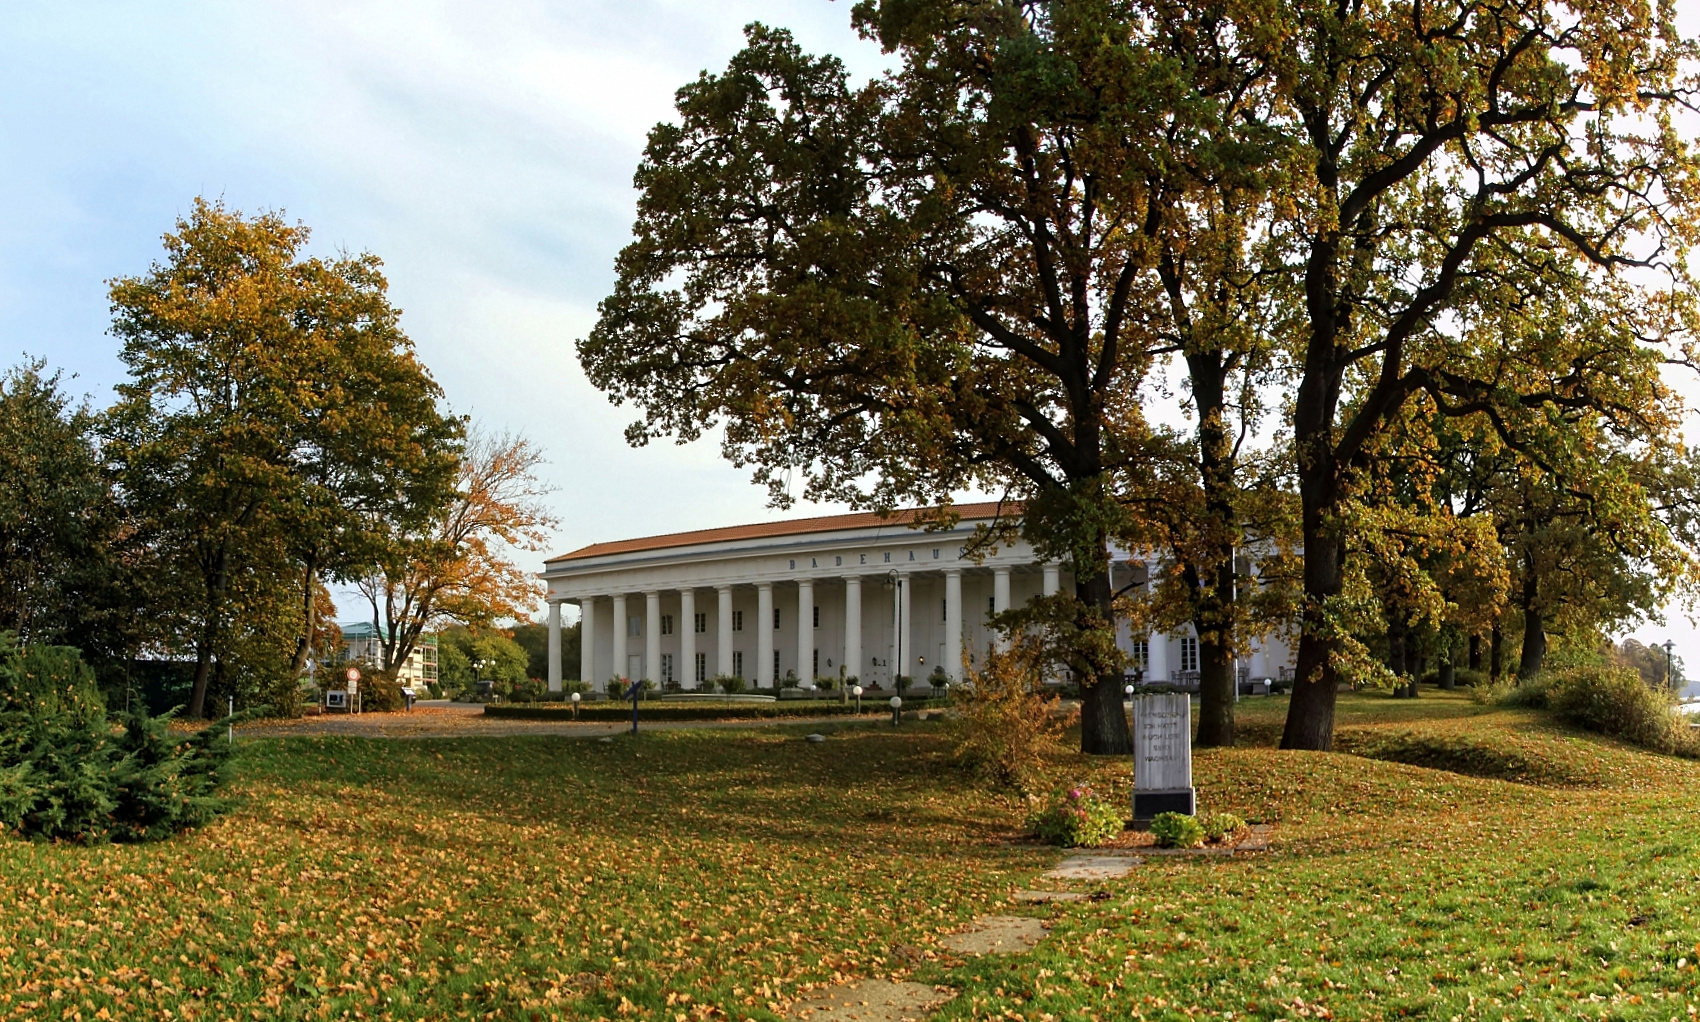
[[361, 644], [840, 596]]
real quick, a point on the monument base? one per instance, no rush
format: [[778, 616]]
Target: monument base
[[1147, 804]]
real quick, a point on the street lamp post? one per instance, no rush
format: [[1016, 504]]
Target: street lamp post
[[1670, 673]]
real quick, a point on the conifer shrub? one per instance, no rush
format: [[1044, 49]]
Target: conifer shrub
[[70, 773]]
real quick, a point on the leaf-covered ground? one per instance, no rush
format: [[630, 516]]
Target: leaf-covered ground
[[1521, 871]]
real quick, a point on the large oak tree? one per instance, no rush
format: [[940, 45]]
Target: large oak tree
[[949, 277], [1457, 170]]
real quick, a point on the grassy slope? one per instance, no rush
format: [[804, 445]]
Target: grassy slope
[[518, 878]]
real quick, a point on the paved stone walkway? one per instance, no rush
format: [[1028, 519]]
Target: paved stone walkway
[[874, 1000], [996, 935]]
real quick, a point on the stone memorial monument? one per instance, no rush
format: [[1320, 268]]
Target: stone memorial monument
[[1162, 755]]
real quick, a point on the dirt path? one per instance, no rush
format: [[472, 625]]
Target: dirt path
[[459, 721]]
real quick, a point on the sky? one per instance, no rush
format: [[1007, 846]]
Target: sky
[[484, 150]]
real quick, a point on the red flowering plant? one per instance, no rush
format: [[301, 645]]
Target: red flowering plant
[[1076, 818]]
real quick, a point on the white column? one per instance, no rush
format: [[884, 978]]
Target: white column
[[688, 637], [853, 626], [554, 646], [764, 634], [1159, 648], [1000, 599], [652, 635], [953, 624], [905, 597], [587, 640], [806, 631], [723, 630], [619, 638], [1053, 579]]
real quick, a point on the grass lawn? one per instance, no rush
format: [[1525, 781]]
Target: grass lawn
[[685, 875]]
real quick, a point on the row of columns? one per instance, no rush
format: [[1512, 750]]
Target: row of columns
[[764, 631]]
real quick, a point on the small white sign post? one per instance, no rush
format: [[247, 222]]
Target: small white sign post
[[354, 689], [1162, 755]]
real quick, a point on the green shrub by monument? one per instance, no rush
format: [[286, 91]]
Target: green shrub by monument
[[1076, 818], [730, 684], [1219, 825], [1177, 830], [67, 773]]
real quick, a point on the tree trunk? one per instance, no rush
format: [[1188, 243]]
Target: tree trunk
[[1310, 713], [1475, 652], [1496, 654], [1448, 674], [1103, 719], [1396, 652], [1534, 628], [1216, 682], [309, 618], [203, 673], [1534, 646], [1213, 611]]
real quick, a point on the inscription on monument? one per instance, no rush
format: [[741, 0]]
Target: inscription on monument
[[1162, 754]]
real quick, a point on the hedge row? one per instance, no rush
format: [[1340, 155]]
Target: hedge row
[[656, 710]]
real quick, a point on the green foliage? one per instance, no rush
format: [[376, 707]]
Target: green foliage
[[1177, 830], [50, 680], [1218, 826], [731, 684], [380, 693], [1615, 701], [67, 774], [464, 654], [55, 509], [1606, 700], [1076, 818]]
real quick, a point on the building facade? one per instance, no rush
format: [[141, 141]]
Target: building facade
[[843, 597], [361, 644]]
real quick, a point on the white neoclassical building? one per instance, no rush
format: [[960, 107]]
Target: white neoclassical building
[[840, 596]]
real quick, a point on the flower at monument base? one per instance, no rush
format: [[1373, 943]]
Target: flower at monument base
[[1076, 818]]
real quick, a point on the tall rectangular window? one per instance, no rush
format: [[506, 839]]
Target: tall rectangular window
[[1189, 653], [701, 624], [634, 626], [702, 667], [817, 617], [666, 624], [944, 610], [776, 618], [737, 620], [1142, 654], [815, 673], [776, 668], [666, 667], [991, 605], [737, 663]]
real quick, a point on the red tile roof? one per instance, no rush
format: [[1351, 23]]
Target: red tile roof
[[794, 527]]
